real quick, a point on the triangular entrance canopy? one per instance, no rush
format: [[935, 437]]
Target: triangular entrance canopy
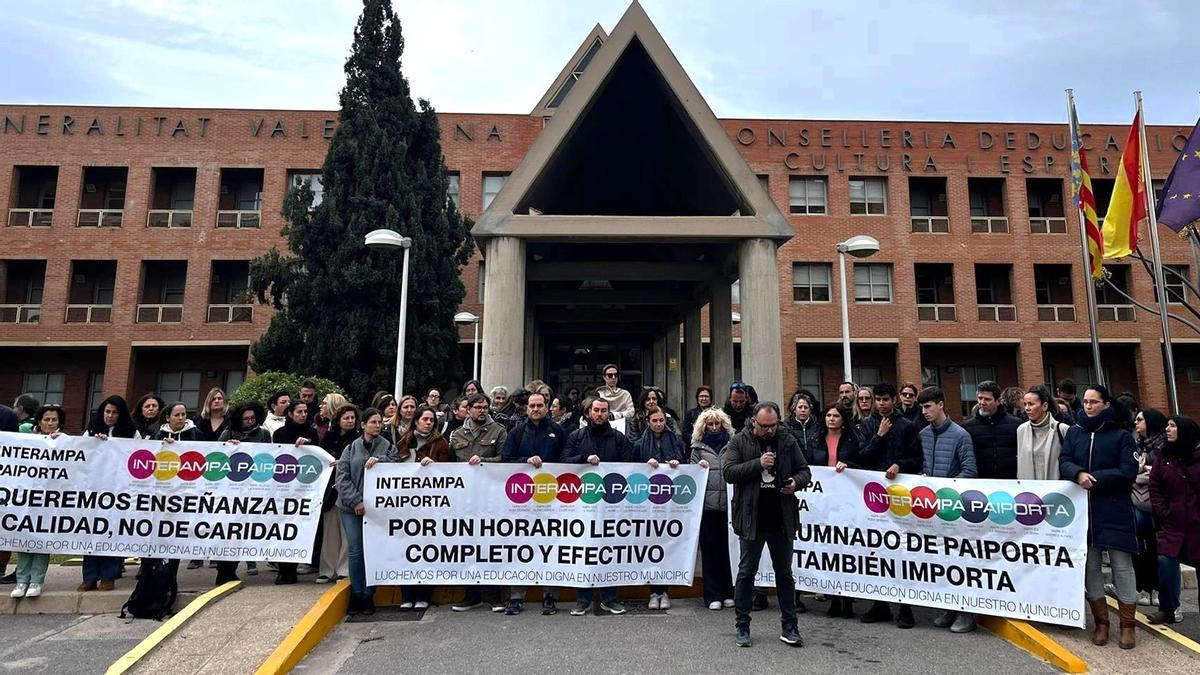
[[633, 143]]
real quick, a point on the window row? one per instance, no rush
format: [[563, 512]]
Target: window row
[[178, 385], [874, 284], [929, 204], [171, 196], [90, 296]]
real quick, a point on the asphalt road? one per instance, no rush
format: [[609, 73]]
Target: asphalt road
[[65, 644], [689, 638]]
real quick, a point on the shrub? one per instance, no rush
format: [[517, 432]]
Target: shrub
[[260, 387]]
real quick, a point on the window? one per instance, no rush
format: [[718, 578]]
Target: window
[[866, 376], [1175, 278], [735, 293], [452, 188], [182, 386], [491, 187], [314, 181], [872, 282], [811, 282], [806, 196], [95, 391], [930, 377], [233, 380], [45, 387], [868, 196], [810, 379], [1085, 376], [970, 377]]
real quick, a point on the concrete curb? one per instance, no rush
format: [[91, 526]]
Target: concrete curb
[[1163, 631], [143, 648], [1035, 642], [329, 609]]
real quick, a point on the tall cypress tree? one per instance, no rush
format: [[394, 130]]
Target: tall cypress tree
[[338, 301]]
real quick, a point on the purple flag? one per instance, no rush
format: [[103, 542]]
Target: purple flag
[[1180, 204]]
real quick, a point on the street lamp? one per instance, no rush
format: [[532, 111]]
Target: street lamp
[[466, 318], [860, 246], [381, 239]]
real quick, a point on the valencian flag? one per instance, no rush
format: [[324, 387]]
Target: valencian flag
[[1084, 198], [1180, 206], [1128, 204]]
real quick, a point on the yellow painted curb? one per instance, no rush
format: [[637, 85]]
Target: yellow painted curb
[[1179, 639], [1034, 641], [131, 658], [309, 631]]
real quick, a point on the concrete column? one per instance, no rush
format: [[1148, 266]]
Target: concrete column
[[720, 331], [660, 362], [762, 352], [693, 354], [503, 350], [675, 395]]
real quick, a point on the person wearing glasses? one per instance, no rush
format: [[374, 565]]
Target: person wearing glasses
[[620, 401], [480, 439], [909, 406], [864, 404]]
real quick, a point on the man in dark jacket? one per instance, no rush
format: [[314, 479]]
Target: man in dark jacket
[[993, 434], [766, 468], [737, 406], [889, 444], [537, 439], [595, 443]]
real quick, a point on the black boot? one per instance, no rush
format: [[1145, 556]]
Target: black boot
[[355, 605]]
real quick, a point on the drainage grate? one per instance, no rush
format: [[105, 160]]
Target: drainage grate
[[390, 613]]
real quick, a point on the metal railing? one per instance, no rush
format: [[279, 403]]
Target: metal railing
[[930, 224], [989, 224], [230, 313], [238, 219], [997, 312], [159, 313], [169, 218], [1056, 312], [1048, 225], [89, 314], [30, 217], [100, 217], [1115, 313], [936, 313], [20, 313]]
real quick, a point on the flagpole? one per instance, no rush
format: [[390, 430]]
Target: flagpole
[[1159, 281], [1089, 283]]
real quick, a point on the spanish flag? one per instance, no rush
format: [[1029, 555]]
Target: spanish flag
[[1128, 204]]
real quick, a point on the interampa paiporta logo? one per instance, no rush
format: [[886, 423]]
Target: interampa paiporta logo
[[191, 465], [591, 488], [973, 506]]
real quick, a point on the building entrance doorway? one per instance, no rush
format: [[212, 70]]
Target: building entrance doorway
[[576, 363]]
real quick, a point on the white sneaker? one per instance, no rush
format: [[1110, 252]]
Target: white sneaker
[[421, 605], [714, 605], [728, 604], [654, 601], [405, 606], [664, 602], [1179, 615], [19, 591], [1144, 599], [34, 591]]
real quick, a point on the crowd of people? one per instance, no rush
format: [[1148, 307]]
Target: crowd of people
[[1140, 467]]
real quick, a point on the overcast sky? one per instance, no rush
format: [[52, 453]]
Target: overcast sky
[[978, 60]]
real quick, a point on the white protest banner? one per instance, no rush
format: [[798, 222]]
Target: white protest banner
[[560, 525], [998, 547], [184, 500]]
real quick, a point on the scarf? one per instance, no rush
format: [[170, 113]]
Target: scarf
[[1038, 449], [717, 441]]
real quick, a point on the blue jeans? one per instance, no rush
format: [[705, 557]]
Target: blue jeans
[[101, 568], [31, 567], [584, 596], [353, 525], [1170, 583]]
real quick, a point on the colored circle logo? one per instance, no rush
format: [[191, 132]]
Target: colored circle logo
[[639, 488], [1060, 510], [217, 467], [310, 469], [240, 466], [519, 488], [1003, 508], [924, 502], [545, 488], [949, 504], [570, 488], [685, 490], [191, 465], [168, 465], [593, 488], [1029, 508], [901, 500], [615, 487], [286, 468], [142, 464], [975, 506], [875, 496], [662, 488]]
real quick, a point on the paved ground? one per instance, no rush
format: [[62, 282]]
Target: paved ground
[[688, 638], [66, 644]]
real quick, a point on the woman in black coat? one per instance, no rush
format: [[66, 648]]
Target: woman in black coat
[[111, 419], [1098, 454], [333, 562], [295, 431]]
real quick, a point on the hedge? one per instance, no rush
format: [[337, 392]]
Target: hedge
[[263, 385]]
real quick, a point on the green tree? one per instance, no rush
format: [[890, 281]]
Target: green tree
[[338, 301]]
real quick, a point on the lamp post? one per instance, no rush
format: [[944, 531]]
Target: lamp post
[[466, 318], [381, 239], [860, 246]]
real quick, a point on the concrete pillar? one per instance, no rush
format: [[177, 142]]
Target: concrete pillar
[[675, 395], [720, 331], [660, 362], [503, 299], [762, 352], [693, 359]]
